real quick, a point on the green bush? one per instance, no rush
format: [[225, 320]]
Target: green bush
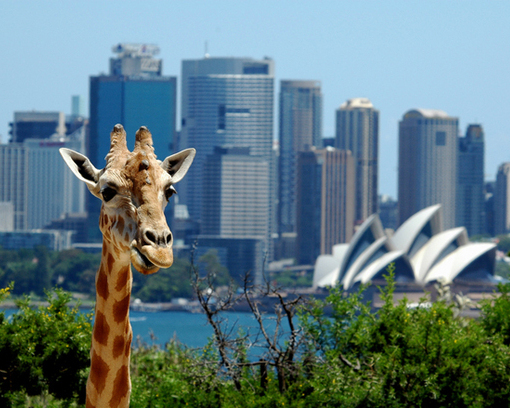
[[44, 351]]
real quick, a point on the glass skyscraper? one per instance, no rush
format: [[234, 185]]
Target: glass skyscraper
[[134, 94], [300, 127], [470, 181], [225, 101]]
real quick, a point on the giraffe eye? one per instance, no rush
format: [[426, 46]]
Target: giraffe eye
[[169, 192], [108, 193]]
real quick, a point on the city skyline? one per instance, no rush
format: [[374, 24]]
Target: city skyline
[[400, 55]]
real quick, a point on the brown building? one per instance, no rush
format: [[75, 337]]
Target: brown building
[[325, 201]]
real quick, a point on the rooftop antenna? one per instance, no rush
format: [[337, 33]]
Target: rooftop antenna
[[206, 48]]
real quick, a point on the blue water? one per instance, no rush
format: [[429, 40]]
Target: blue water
[[190, 329]]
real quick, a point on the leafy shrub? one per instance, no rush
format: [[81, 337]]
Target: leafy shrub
[[44, 350]]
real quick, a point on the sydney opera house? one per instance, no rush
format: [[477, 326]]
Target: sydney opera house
[[421, 251]]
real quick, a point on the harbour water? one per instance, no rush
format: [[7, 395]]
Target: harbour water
[[190, 329]]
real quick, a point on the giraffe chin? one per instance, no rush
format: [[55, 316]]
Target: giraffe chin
[[142, 263]]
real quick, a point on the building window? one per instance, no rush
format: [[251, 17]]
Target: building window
[[221, 117], [440, 138]]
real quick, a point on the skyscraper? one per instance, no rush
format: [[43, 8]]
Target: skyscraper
[[235, 216], [357, 130], [225, 101], [300, 127], [502, 200], [427, 163], [325, 201], [134, 93], [33, 179], [470, 181]]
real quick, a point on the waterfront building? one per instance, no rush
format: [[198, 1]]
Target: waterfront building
[[325, 201], [300, 128], [470, 210], [357, 130], [427, 170]]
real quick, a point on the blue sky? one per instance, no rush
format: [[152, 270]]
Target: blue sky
[[448, 55]]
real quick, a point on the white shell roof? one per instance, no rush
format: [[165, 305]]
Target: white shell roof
[[326, 271], [372, 224], [428, 255], [377, 266], [361, 261], [405, 235], [454, 264]]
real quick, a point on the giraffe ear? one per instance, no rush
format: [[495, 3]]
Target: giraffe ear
[[177, 164], [82, 168]]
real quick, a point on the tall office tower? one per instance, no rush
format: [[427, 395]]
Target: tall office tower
[[300, 118], [225, 101], [325, 201], [134, 93], [427, 163], [502, 200], [36, 125], [357, 130], [34, 180], [237, 192], [470, 181]]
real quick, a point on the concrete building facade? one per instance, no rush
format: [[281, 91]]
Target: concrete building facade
[[427, 163], [357, 130]]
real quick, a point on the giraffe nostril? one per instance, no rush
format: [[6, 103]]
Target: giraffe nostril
[[150, 237], [168, 239]]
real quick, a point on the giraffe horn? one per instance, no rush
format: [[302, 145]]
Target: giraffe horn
[[118, 144], [143, 138]]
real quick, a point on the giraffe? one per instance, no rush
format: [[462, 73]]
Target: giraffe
[[134, 188]]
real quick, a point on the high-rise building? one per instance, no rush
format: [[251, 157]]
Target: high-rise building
[[502, 200], [34, 180], [325, 201], [134, 93], [225, 101], [357, 130], [300, 128], [237, 193], [470, 210], [427, 163], [36, 125]]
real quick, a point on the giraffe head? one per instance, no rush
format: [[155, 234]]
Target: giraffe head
[[135, 188]]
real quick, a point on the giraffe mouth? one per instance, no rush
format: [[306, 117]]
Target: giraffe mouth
[[141, 263]]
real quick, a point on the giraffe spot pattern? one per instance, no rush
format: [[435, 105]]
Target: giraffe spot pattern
[[119, 344], [101, 329], [122, 279], [120, 309], [98, 372], [102, 283], [120, 386], [120, 224]]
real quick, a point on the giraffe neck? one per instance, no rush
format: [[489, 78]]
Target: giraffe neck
[[109, 384]]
